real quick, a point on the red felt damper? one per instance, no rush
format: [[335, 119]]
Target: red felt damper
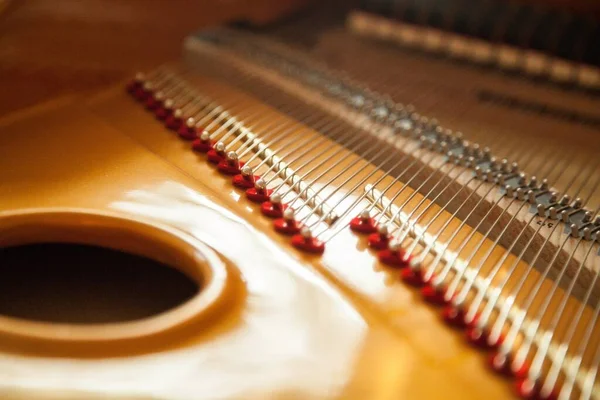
[[287, 226], [141, 94], [379, 241], [230, 167], [258, 195], [393, 258], [308, 245], [152, 103], [434, 295], [363, 225], [162, 112], [273, 209], [187, 130], [133, 85], [454, 316], [502, 364], [202, 145], [173, 122], [413, 277], [245, 181], [479, 337], [527, 389], [214, 156]]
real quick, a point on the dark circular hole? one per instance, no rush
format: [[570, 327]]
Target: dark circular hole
[[71, 283]]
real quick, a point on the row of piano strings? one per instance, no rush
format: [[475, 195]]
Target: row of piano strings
[[569, 162], [535, 314], [415, 219]]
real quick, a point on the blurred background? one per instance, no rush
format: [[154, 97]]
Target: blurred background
[[50, 48]]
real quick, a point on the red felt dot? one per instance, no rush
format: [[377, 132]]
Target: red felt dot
[[434, 295], [272, 210], [132, 86], [413, 277], [528, 389], [287, 227], [162, 113], [308, 245], [479, 337], [363, 225], [152, 103], [378, 241], [454, 316], [258, 196], [215, 156], [502, 364], [202, 146], [187, 133], [230, 167], [244, 182], [141, 94], [173, 123], [393, 258]]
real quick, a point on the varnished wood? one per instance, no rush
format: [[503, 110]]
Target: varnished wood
[[227, 60], [148, 173], [381, 340], [101, 170]]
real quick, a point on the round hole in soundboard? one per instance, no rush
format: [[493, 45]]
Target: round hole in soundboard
[[82, 284]]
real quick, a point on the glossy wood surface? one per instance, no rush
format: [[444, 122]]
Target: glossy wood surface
[[282, 325], [330, 328], [150, 195], [120, 159]]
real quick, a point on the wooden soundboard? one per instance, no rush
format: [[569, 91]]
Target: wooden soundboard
[[269, 320], [284, 324]]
